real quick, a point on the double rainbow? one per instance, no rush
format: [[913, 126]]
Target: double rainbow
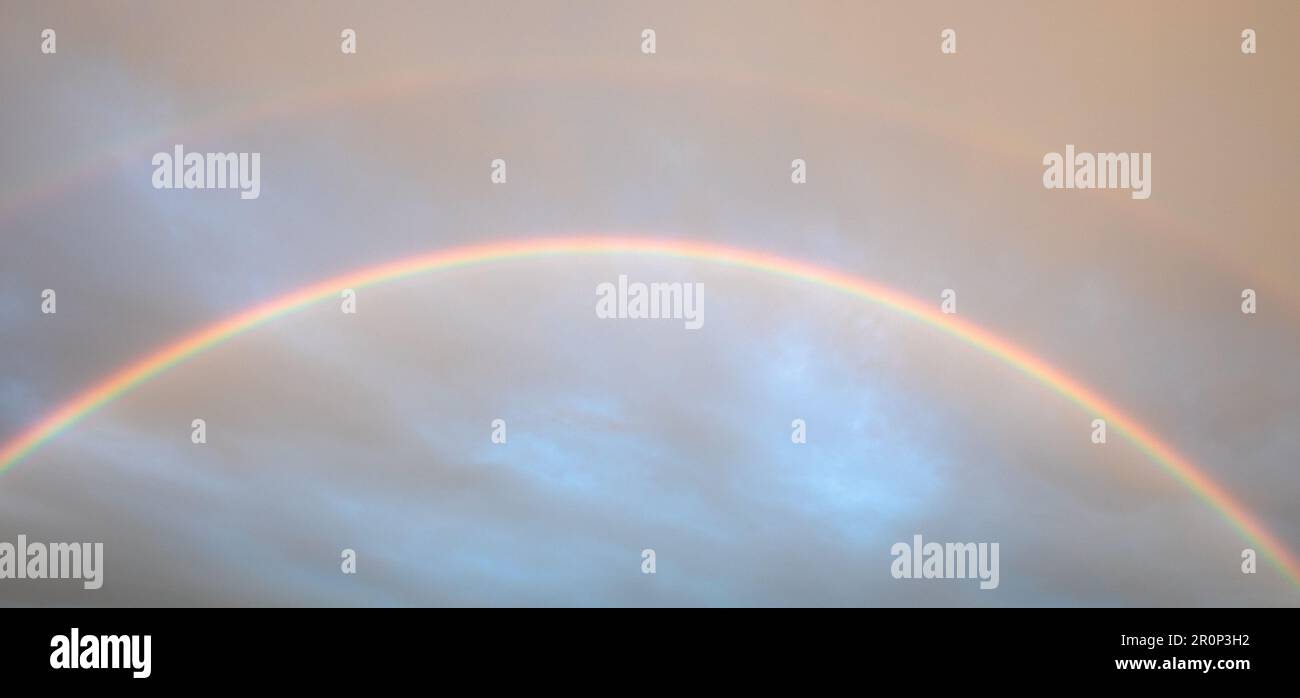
[[133, 375]]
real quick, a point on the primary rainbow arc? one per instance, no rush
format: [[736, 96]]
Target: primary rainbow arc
[[131, 376]]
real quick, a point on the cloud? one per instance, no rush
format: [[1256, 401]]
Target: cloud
[[371, 431]]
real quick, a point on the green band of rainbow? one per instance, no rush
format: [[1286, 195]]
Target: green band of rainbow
[[142, 370]]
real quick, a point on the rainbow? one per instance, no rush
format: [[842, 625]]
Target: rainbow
[[554, 71], [131, 376]]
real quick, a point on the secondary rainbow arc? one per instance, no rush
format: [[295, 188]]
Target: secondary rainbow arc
[[140, 371]]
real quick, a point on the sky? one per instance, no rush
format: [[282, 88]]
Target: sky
[[371, 431]]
